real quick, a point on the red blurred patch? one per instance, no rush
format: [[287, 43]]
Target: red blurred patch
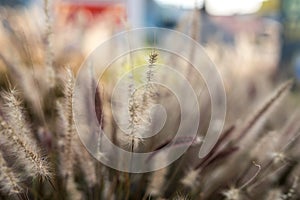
[[116, 11]]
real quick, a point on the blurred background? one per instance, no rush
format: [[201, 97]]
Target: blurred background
[[269, 30]]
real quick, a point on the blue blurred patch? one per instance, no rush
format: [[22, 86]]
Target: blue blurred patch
[[15, 3]]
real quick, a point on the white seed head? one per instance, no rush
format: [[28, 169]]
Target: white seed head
[[232, 194], [191, 178]]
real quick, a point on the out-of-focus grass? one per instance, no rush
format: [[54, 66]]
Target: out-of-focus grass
[[260, 126]]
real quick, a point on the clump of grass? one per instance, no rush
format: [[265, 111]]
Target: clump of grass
[[258, 128]]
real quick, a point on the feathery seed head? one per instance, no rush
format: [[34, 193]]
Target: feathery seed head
[[9, 182], [190, 179], [153, 57], [232, 194]]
